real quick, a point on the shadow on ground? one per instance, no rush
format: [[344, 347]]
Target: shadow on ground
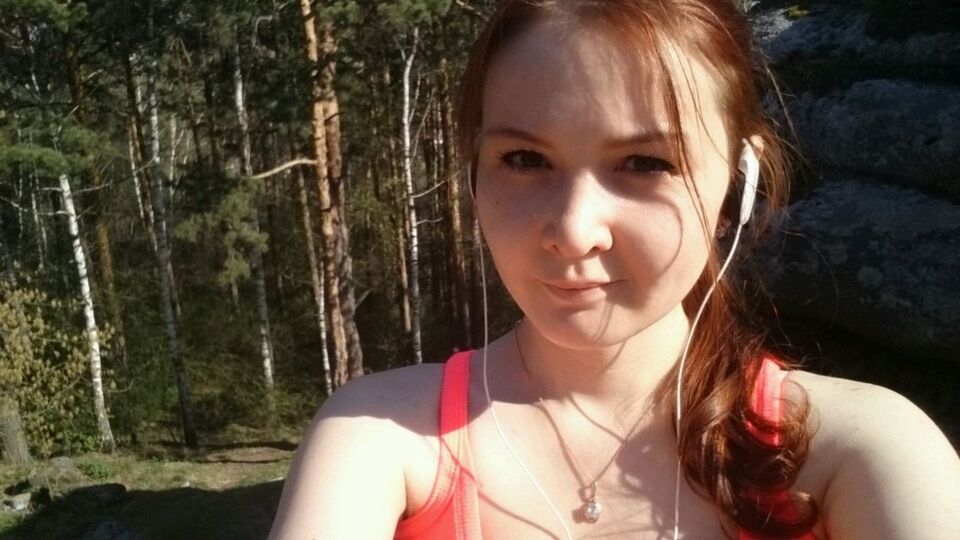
[[172, 514]]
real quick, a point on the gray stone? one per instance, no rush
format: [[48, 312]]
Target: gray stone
[[878, 260], [904, 131], [834, 32], [18, 503], [56, 472]]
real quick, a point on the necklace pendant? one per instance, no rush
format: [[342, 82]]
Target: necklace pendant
[[593, 510]]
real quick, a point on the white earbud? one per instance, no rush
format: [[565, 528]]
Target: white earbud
[[750, 167]]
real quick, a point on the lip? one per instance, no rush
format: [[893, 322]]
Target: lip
[[578, 291]]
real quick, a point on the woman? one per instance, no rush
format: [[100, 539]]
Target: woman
[[611, 143]]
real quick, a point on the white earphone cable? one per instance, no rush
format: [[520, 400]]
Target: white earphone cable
[[493, 411], [683, 359]]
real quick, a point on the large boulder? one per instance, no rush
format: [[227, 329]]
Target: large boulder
[[824, 32], [879, 260], [900, 131]]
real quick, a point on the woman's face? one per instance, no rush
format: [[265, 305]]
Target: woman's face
[[579, 195]]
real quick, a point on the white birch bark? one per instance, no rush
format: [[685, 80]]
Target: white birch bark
[[135, 176], [413, 247], [93, 332], [316, 281], [163, 256], [263, 311]]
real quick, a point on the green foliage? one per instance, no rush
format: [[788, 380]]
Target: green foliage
[[44, 368], [403, 14], [231, 221], [95, 469], [61, 15]]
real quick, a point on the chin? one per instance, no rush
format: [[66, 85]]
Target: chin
[[588, 329]]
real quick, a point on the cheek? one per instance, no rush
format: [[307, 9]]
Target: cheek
[[661, 244]]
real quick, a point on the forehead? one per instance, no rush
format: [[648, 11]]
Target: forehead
[[586, 78]]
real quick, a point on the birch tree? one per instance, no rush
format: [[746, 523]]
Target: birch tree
[[256, 263], [413, 246], [163, 256], [89, 316]]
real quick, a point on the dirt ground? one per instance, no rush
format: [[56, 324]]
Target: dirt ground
[[219, 492]]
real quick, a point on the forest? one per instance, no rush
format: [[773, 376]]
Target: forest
[[215, 213]]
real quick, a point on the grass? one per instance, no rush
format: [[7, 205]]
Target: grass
[[226, 491]]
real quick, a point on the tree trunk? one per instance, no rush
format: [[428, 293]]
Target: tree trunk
[[413, 247], [455, 237], [93, 332], [338, 193], [146, 170], [15, 448], [101, 233], [316, 279], [404, 276], [476, 289], [256, 257], [330, 230], [164, 259]]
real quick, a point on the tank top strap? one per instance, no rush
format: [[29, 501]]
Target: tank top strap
[[767, 398], [454, 419], [442, 514]]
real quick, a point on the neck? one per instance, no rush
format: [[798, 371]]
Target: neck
[[616, 379]]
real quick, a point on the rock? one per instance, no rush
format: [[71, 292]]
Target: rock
[[19, 502], [878, 260], [109, 530], [838, 32], [56, 472], [19, 487], [899, 130]]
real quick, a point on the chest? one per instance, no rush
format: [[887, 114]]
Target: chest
[[527, 498], [636, 490]]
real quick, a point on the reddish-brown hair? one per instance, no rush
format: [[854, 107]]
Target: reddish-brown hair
[[721, 458]]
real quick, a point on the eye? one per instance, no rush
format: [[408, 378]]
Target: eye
[[523, 160], [646, 164]]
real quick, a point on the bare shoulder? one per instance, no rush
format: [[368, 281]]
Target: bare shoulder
[[891, 471], [348, 479], [405, 397], [848, 413]]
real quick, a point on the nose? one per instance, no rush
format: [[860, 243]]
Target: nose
[[577, 217]]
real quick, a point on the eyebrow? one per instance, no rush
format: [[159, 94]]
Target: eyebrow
[[639, 138]]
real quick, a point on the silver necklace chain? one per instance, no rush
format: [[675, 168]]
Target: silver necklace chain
[[486, 389]]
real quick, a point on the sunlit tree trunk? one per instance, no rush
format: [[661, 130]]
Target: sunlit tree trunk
[[316, 278], [260, 286], [413, 247], [101, 233], [93, 331], [455, 236], [330, 226]]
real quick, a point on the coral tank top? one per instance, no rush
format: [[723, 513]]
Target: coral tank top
[[452, 509]]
